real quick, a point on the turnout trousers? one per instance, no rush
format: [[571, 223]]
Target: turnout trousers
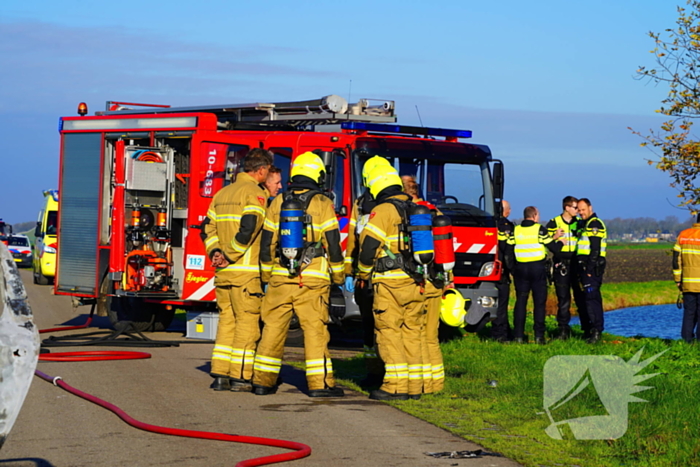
[[398, 320], [310, 303], [238, 330], [530, 277], [433, 368], [691, 313]]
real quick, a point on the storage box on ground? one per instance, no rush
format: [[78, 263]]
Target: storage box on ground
[[202, 324]]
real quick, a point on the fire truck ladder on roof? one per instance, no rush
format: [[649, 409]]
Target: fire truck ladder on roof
[[327, 110]]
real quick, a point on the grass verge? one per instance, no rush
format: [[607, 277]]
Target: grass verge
[[509, 417]]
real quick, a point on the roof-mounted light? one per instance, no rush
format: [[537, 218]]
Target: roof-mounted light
[[82, 109], [406, 130], [129, 123]]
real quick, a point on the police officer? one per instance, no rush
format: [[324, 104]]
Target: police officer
[[398, 301], [686, 273], [529, 240], [302, 285], [590, 255], [500, 328], [565, 274], [364, 295], [232, 241], [433, 366]]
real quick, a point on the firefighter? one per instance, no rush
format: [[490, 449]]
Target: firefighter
[[529, 240], [590, 256], [232, 229], [565, 276], [364, 296], [686, 273], [300, 285], [398, 299], [433, 367], [500, 327]]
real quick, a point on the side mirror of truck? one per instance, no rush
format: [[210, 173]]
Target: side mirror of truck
[[37, 230], [498, 180]]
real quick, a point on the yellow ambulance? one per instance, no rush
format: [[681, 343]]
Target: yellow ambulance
[[46, 242]]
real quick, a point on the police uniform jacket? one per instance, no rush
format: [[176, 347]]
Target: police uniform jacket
[[324, 228], [592, 244], [569, 239], [232, 227], [530, 242], [379, 235], [686, 259], [505, 230]]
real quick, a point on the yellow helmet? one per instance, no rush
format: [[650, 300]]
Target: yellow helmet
[[310, 165], [382, 177], [452, 310], [371, 164]]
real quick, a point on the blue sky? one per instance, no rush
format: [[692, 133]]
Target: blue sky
[[548, 85]]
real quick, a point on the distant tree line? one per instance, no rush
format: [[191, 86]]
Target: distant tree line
[[640, 227], [23, 227]]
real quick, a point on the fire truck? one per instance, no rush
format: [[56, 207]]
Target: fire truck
[[136, 181]]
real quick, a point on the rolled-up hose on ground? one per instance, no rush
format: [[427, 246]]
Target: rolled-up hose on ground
[[299, 450]]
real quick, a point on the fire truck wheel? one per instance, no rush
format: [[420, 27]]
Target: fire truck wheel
[[141, 315], [295, 336]]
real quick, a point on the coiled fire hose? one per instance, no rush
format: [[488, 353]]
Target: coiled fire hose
[[299, 450]]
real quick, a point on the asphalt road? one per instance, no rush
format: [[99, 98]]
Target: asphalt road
[[56, 428]]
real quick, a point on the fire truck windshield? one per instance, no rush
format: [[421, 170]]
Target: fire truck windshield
[[460, 186]]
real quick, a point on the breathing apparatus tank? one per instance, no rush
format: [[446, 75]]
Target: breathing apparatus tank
[[420, 224], [291, 229], [444, 246]]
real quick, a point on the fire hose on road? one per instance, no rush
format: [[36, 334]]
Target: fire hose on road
[[299, 450]]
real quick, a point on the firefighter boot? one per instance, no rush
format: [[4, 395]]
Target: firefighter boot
[[328, 392], [379, 395], [221, 383], [240, 385]]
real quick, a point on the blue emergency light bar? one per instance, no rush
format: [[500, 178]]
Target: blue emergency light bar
[[406, 130]]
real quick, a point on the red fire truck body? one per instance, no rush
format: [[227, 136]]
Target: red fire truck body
[[136, 185]]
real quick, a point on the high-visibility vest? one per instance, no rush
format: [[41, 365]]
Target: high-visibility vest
[[583, 248], [528, 247], [569, 238]]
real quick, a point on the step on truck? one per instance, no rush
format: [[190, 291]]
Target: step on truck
[[136, 181]]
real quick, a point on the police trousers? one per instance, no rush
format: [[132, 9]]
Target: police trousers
[[530, 277], [398, 320], [565, 281], [310, 303], [238, 330]]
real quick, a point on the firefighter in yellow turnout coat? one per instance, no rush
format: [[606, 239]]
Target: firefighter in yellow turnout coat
[[304, 290], [398, 301], [232, 241]]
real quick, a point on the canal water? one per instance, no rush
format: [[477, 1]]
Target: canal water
[[662, 321]]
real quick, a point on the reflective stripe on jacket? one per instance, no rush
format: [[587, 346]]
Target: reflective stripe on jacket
[[595, 227], [234, 221], [570, 237], [529, 242], [686, 259], [324, 228]]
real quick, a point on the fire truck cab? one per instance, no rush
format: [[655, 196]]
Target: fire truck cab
[[136, 182]]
